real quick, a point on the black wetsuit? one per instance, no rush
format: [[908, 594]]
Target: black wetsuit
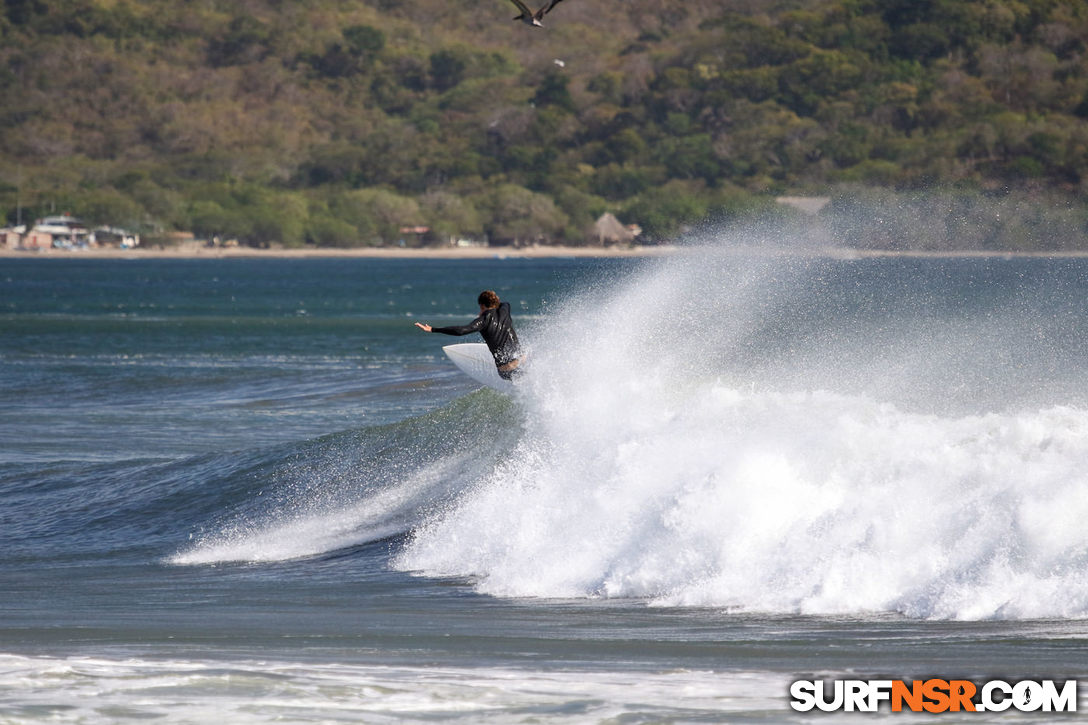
[[497, 329]]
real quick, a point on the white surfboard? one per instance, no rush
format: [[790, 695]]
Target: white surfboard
[[475, 360]]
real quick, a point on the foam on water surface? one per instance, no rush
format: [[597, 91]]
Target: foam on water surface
[[677, 451], [771, 435]]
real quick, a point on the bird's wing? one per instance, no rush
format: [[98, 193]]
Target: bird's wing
[[548, 8], [523, 8]]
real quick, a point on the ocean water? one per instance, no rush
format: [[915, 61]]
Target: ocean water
[[251, 491]]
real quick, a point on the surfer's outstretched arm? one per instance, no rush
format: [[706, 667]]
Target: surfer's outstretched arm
[[459, 330]]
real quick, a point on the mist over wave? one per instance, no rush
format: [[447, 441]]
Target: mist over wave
[[357, 487], [794, 435]]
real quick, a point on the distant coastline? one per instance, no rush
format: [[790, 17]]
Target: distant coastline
[[204, 252], [531, 252]]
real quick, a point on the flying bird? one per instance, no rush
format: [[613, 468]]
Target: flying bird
[[529, 17]]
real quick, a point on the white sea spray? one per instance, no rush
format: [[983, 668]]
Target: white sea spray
[[676, 452]]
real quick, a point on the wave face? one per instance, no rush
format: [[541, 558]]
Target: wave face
[[795, 436], [349, 489]]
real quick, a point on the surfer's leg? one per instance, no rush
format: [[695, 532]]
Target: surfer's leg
[[510, 369]]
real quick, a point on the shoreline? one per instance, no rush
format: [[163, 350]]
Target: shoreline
[[202, 252], [534, 252]]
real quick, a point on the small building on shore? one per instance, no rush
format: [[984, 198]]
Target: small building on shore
[[11, 237], [609, 231], [37, 240], [114, 237], [33, 240], [65, 232], [68, 232]]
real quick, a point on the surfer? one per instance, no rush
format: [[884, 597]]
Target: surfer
[[496, 327]]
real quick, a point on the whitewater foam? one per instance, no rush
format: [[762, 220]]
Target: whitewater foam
[[812, 503], [103, 690], [775, 436], [650, 470], [333, 519]]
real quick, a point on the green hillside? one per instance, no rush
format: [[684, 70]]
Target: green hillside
[[337, 122]]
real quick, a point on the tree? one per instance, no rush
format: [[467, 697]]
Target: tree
[[224, 116], [364, 40], [108, 206], [209, 219], [518, 216], [323, 230], [450, 216], [279, 218], [664, 212], [245, 40], [553, 91], [448, 67], [378, 214]]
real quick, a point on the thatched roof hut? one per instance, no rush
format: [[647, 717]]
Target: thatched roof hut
[[609, 230]]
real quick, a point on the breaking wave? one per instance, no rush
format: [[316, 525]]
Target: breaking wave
[[793, 436]]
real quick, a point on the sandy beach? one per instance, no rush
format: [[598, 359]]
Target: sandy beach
[[205, 252]]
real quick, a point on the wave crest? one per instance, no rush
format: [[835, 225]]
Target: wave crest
[[810, 503], [650, 468]]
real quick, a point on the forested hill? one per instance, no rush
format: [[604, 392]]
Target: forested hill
[[337, 122]]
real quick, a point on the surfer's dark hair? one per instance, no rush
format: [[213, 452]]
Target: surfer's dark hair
[[488, 299]]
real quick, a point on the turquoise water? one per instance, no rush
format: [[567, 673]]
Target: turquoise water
[[251, 490]]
